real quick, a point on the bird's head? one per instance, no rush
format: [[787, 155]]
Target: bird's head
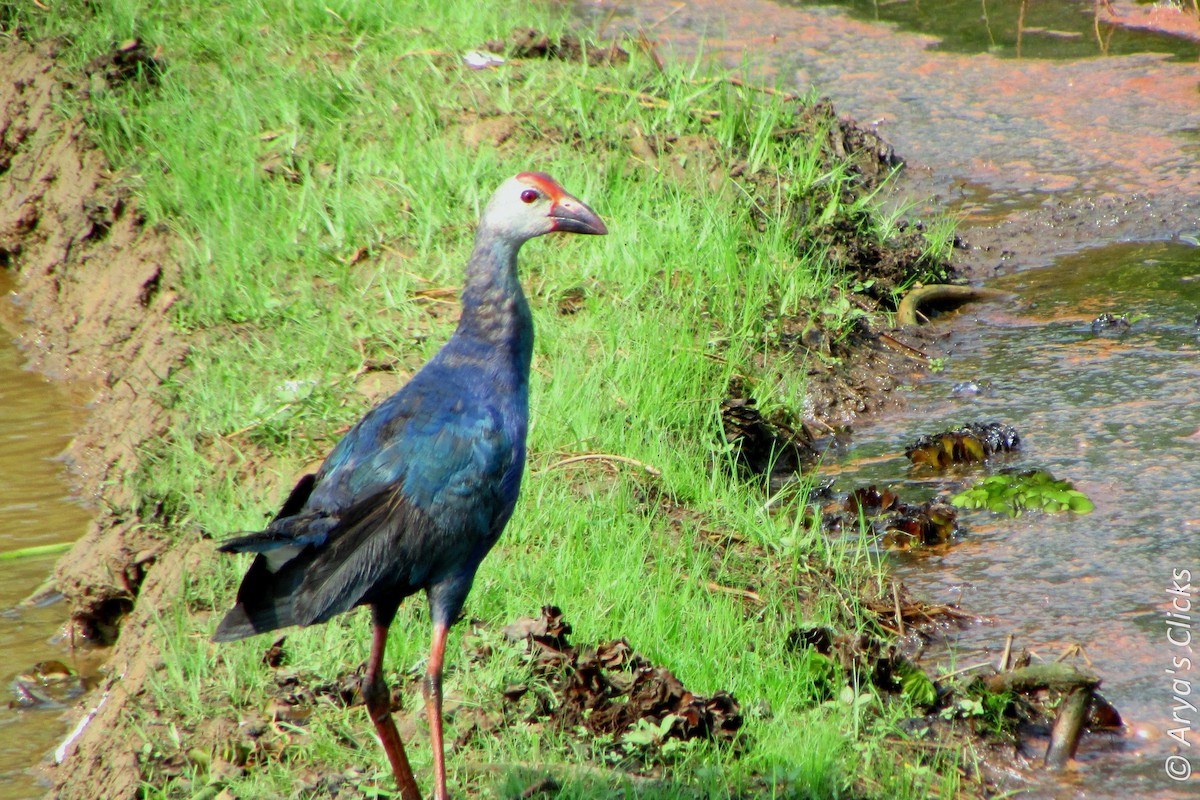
[[532, 204]]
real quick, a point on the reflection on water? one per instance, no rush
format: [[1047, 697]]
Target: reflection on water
[[1062, 29], [1081, 151], [1119, 415], [36, 421]]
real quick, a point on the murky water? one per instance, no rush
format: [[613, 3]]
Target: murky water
[[1063, 29], [1117, 414], [36, 420], [1072, 151]]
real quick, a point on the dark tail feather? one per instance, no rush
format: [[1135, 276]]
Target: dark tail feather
[[238, 624], [265, 602], [298, 497]]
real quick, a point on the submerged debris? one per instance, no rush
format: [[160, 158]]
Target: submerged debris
[[972, 443], [925, 302], [900, 525], [49, 684], [898, 612], [1054, 701], [971, 388], [1110, 323], [871, 502], [612, 692], [924, 525]]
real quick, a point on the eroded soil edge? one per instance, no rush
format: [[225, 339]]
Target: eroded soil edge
[[95, 290]]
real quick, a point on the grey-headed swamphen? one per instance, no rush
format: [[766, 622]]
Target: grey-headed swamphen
[[419, 490]]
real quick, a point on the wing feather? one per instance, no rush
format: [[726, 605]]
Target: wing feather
[[408, 498]]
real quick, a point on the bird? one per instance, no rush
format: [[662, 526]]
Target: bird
[[418, 491]]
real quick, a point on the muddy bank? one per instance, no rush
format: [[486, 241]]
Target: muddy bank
[[92, 308], [96, 288]]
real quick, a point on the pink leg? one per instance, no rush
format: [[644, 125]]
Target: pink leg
[[379, 706], [433, 708]]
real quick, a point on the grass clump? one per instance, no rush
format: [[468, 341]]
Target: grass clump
[[323, 166]]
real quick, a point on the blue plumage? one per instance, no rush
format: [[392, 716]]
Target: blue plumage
[[418, 491]]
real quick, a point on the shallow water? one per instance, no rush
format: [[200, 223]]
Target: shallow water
[[1059, 30], [1117, 414], [36, 508], [1068, 152]]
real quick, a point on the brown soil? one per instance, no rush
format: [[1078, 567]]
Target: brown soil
[[96, 287]]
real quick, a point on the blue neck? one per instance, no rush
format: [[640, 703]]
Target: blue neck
[[494, 310]]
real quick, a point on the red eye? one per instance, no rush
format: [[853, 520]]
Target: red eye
[[529, 195]]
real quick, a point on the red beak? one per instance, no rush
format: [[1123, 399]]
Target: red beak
[[573, 216]]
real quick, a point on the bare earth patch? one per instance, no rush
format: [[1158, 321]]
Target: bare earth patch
[[96, 289]]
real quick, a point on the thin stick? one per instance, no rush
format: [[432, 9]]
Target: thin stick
[[601, 773], [961, 671], [649, 100], [908, 347], [678, 7], [1003, 666], [651, 49], [607, 457], [745, 594], [754, 87], [837, 592], [608, 18], [896, 602], [257, 422]]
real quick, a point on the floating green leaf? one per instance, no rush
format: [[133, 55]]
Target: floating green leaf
[[1014, 492]]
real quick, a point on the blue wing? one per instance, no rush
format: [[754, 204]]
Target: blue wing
[[415, 494]]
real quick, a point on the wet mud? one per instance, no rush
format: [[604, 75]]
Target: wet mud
[[91, 307], [93, 302]]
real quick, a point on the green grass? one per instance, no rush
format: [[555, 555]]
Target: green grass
[[313, 160]]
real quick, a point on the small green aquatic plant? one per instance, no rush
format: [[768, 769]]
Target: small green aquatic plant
[[1014, 492], [915, 685]]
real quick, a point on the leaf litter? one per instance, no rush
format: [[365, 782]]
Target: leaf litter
[[610, 692]]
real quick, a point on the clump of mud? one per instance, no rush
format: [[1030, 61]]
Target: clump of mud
[[127, 61], [532, 43], [973, 443], [770, 449], [879, 267], [611, 692], [899, 525]]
